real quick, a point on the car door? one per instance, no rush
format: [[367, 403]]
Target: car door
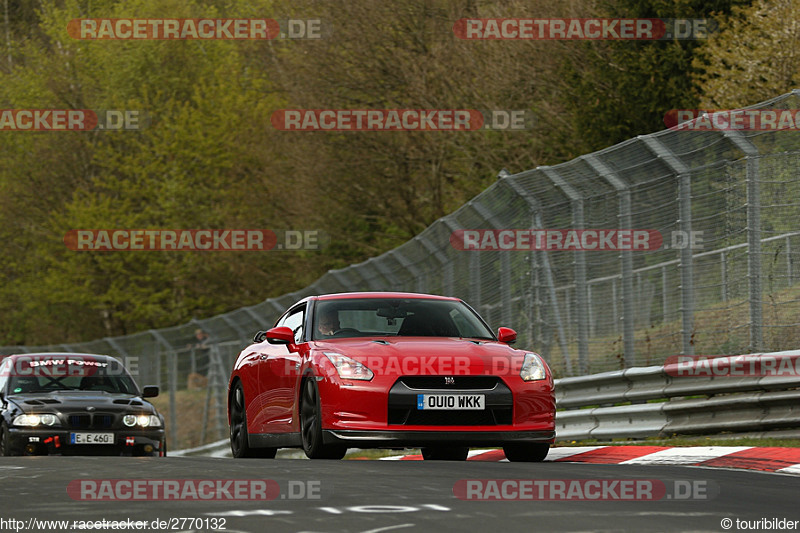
[[277, 374]]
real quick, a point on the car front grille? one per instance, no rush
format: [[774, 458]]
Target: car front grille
[[403, 396], [90, 421]]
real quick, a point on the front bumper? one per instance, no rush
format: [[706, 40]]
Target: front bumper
[[57, 441], [416, 439]]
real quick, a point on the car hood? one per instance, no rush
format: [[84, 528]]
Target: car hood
[[79, 401], [428, 355]]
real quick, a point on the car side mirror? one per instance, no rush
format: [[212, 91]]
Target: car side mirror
[[280, 335], [261, 336], [506, 335], [150, 391]]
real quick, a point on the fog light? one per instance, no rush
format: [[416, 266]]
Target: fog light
[[148, 448], [30, 449]]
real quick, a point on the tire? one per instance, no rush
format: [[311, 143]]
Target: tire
[[240, 447], [5, 442], [526, 453], [311, 425], [453, 453]]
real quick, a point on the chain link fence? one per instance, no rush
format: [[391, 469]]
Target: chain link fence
[[584, 311]]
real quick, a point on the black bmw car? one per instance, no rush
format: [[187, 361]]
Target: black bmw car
[[75, 404]]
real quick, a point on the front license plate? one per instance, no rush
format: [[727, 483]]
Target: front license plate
[[456, 402], [91, 438]]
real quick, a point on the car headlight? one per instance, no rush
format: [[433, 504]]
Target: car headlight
[[348, 368], [35, 420], [145, 421], [532, 368]]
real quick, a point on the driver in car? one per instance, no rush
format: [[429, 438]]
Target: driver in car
[[328, 322]]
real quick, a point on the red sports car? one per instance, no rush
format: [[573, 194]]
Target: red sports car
[[389, 370]]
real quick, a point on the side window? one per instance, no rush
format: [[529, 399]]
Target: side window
[[295, 320], [4, 373]]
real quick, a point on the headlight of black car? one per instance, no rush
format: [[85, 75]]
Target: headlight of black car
[[33, 420], [144, 421]]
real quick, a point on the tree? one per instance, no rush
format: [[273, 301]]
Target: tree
[[754, 57]]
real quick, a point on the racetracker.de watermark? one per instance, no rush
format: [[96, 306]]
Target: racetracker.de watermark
[[751, 365], [197, 28], [402, 120], [584, 489], [192, 240], [72, 119], [556, 239], [593, 29], [733, 119], [192, 490], [453, 367]]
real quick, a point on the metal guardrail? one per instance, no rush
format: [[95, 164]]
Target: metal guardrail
[[659, 401]]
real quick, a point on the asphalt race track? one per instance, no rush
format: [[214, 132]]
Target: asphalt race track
[[377, 496]]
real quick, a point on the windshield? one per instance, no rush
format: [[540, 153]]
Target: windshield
[[397, 317], [31, 375]]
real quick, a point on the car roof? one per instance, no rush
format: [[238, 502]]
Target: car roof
[[416, 295]]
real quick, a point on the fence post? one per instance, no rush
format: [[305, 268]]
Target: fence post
[[380, 266], [625, 221], [240, 333], [753, 237], [449, 266], [370, 282], [723, 265], [339, 276], [505, 264], [408, 265], [475, 278], [172, 380], [581, 288], [686, 253], [440, 256], [664, 299], [535, 209], [124, 354]]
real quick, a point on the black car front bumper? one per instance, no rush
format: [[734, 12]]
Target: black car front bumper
[[58, 441]]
